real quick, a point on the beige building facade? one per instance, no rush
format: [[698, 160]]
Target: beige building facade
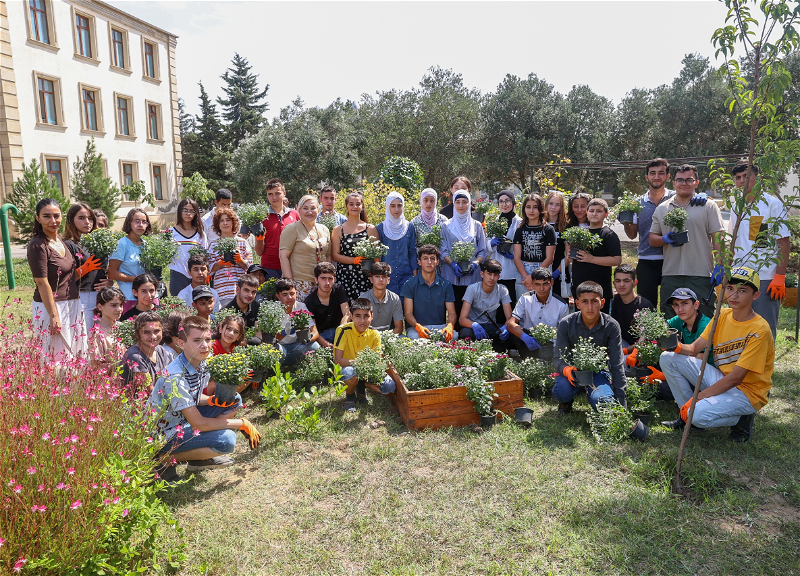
[[81, 69]]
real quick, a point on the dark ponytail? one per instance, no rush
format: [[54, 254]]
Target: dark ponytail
[[105, 296]]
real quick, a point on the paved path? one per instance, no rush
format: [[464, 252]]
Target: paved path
[[17, 251]]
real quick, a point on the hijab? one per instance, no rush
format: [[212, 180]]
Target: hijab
[[429, 218], [395, 228], [509, 216], [461, 224]]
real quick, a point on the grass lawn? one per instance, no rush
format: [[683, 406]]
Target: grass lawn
[[365, 496]]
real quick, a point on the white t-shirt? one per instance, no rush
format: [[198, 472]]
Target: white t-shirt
[[768, 207], [208, 221], [180, 262], [530, 312], [287, 324], [186, 294]]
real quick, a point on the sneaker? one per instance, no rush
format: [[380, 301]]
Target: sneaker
[[349, 403], [168, 473], [209, 463], [564, 407], [743, 429], [679, 423]]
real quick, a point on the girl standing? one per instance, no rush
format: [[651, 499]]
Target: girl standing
[[510, 276], [303, 245], [124, 264], [57, 311], [534, 241], [227, 274], [344, 239], [401, 238], [428, 216], [187, 232], [104, 347], [557, 218]]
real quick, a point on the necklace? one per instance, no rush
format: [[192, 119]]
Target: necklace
[[317, 243]]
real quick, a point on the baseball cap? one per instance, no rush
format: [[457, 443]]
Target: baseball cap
[[201, 292], [257, 268], [744, 275], [682, 294]]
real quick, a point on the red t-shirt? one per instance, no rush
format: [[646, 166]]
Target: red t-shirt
[[273, 226], [217, 348]]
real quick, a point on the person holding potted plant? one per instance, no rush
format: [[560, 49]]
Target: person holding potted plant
[[462, 228], [188, 232], [589, 322], [428, 299], [304, 244], [343, 243], [230, 255], [124, 264], [751, 247], [744, 354], [280, 216], [223, 198], [539, 306], [428, 217], [534, 241], [189, 410], [687, 265], [298, 319], [482, 300], [401, 238], [387, 308], [626, 302], [689, 322], [595, 263], [328, 303]]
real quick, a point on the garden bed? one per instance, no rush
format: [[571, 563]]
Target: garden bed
[[443, 407]]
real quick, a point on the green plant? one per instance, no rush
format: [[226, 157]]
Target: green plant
[[329, 221], [125, 332], [222, 315], [581, 238], [267, 289], [262, 357], [676, 218], [536, 374], [401, 172], [369, 365], [496, 227], [628, 203], [101, 242], [300, 319], [90, 185], [271, 317], [480, 392], [305, 417], [462, 252], [199, 251], [137, 192], [483, 205], [589, 357], [34, 185], [648, 324], [158, 250], [229, 369], [610, 423], [169, 304], [791, 280], [543, 333], [227, 245], [434, 237], [315, 365], [277, 391], [493, 366], [195, 187], [251, 214], [649, 353], [641, 397], [430, 374], [371, 249]]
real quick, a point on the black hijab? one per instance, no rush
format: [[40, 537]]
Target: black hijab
[[509, 216]]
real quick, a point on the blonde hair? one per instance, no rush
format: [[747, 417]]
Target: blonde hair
[[305, 199], [561, 220]]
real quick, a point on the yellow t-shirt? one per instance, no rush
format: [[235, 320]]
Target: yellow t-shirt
[[350, 342], [748, 345]]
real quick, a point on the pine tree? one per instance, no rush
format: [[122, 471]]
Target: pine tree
[[186, 119], [206, 143], [34, 185], [90, 185], [242, 109]]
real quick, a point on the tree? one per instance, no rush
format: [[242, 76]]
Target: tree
[[242, 109], [209, 154], [34, 185], [401, 172], [91, 186]]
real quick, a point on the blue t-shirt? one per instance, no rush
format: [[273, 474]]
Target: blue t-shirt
[[429, 301], [128, 254], [645, 220]]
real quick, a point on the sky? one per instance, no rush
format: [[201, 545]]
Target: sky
[[321, 51]]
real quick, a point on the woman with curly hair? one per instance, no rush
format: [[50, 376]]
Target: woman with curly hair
[[227, 274]]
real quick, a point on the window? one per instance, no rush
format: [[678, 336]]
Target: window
[[154, 122], [149, 60], [91, 109], [119, 48], [40, 21], [53, 167], [118, 43], [48, 101], [158, 181], [124, 116], [129, 173], [84, 36]]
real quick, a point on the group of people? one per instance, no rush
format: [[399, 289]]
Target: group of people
[[502, 294]]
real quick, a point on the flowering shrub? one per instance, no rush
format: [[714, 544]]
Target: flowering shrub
[[433, 237], [586, 355], [77, 476], [271, 316], [478, 390], [483, 205], [581, 238], [628, 203], [329, 221], [369, 365], [158, 250], [648, 325], [496, 227], [462, 252], [610, 423], [315, 365], [371, 249], [102, 242], [267, 289], [263, 357], [641, 397], [229, 369], [649, 353], [126, 332], [300, 319], [536, 374], [543, 333], [170, 304], [493, 366], [199, 251], [430, 374], [226, 246], [676, 218], [252, 214]]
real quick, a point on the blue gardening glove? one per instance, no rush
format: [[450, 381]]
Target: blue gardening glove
[[669, 238], [480, 332], [456, 269], [510, 255], [504, 333], [699, 199], [285, 334], [717, 275], [530, 342], [495, 242], [556, 274]]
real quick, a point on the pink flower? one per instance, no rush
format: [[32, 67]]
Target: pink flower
[[94, 452], [46, 436], [196, 433], [40, 488], [31, 470], [115, 500], [70, 471], [20, 563], [125, 513], [2, 541], [17, 489], [75, 505], [115, 434], [36, 508], [60, 486]]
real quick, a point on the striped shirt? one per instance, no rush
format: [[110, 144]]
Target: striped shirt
[[225, 278], [179, 264]]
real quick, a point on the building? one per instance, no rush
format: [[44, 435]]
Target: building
[[73, 70]]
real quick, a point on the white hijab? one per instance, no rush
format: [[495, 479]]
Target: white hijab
[[461, 224], [395, 228]]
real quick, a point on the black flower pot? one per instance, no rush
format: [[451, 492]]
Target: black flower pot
[[157, 272], [534, 394], [626, 217], [243, 229], [642, 372], [584, 378], [523, 417], [366, 265], [573, 252], [256, 229], [505, 247], [639, 431], [670, 341], [488, 421], [225, 392], [267, 338], [645, 419], [680, 238], [546, 351], [303, 336], [466, 266], [228, 257]]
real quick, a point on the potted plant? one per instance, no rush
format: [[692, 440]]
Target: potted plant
[[271, 317], [315, 366], [462, 253], [261, 359], [329, 221], [251, 217], [101, 243], [125, 331], [790, 301], [545, 335], [300, 322], [536, 376], [267, 289], [641, 398], [169, 304], [483, 205], [370, 365], [649, 354], [625, 209], [228, 371], [198, 251], [588, 358], [649, 324], [226, 248], [158, 251], [497, 227], [676, 218], [612, 423], [371, 250], [433, 237], [580, 239], [480, 392]]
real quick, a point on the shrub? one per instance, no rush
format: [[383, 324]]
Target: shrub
[[649, 353], [493, 366], [587, 356], [90, 185], [496, 227], [581, 238], [676, 218], [277, 391], [126, 333], [32, 186], [262, 357], [369, 365], [137, 192], [271, 317], [195, 187], [300, 319], [628, 203], [462, 252], [536, 375], [250, 214], [648, 325], [101, 242], [315, 365], [479, 391], [329, 221], [430, 374], [610, 423], [641, 397], [371, 249], [401, 172], [226, 246], [158, 251], [229, 369], [544, 333], [433, 237], [267, 289]]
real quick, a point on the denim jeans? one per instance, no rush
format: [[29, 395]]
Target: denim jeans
[[387, 387], [291, 353], [563, 391], [220, 441], [414, 335], [720, 410], [328, 334]]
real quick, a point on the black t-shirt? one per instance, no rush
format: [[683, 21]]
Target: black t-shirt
[[582, 271], [560, 248], [447, 212], [250, 316], [623, 313], [90, 280], [329, 316], [534, 240], [132, 313]]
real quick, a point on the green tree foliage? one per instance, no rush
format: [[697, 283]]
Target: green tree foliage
[[401, 172], [242, 107], [90, 185], [32, 186], [195, 187]]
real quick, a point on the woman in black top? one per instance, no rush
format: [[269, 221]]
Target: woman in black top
[[534, 240]]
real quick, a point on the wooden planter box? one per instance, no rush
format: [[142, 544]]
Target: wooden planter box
[[790, 301], [445, 407]]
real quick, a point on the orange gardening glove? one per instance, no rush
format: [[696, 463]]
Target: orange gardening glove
[[249, 376], [250, 432], [777, 288], [260, 238], [93, 264], [423, 332], [447, 332], [685, 410], [358, 260], [237, 258], [226, 264], [676, 350], [569, 375], [630, 360], [213, 401], [208, 279], [655, 375]]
